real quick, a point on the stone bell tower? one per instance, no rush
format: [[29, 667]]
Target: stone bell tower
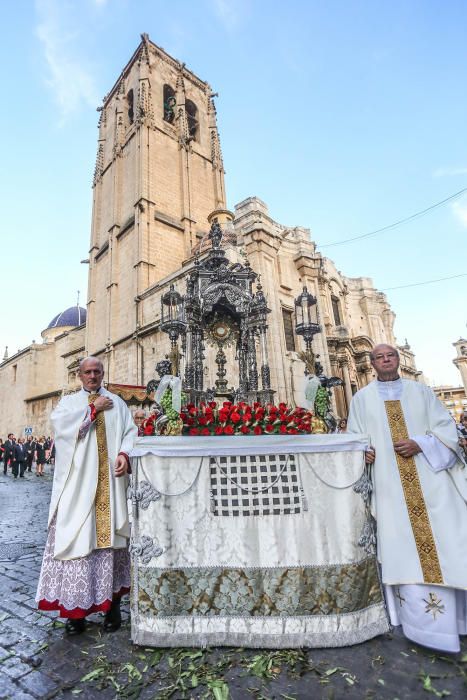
[[461, 360], [158, 175]]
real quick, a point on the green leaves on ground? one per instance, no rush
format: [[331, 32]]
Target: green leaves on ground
[[181, 670], [205, 674], [428, 685], [220, 689]]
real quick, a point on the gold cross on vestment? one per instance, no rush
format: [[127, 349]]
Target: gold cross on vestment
[[434, 605], [399, 596]]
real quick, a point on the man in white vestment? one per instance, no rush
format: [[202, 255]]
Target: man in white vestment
[[86, 566], [419, 502]]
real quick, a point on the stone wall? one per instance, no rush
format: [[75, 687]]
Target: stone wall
[[32, 381]]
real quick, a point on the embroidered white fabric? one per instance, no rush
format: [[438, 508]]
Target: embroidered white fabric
[[85, 582], [437, 455], [260, 632], [183, 446], [433, 616], [178, 517]]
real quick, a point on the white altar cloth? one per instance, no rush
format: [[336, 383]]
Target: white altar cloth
[[253, 542], [185, 446]]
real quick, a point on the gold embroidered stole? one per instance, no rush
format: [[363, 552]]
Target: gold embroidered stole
[[102, 501], [413, 494]]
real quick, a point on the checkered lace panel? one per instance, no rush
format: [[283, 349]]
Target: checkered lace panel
[[255, 485]]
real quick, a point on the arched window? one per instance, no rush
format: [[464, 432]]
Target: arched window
[[169, 104], [287, 319], [130, 102], [336, 311], [192, 117]]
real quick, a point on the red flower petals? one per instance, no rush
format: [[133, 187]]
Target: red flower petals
[[245, 419]]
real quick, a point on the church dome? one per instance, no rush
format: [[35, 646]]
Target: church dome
[[74, 316]]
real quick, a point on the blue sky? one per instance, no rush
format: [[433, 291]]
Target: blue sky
[[342, 116]]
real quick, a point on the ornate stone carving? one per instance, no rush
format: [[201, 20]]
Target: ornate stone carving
[[99, 164], [119, 137], [144, 108], [216, 151], [121, 88], [143, 56], [102, 117]]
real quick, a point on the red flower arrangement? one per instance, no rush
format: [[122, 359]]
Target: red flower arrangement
[[243, 419]]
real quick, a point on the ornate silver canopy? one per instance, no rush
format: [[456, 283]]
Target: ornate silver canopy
[[221, 308]]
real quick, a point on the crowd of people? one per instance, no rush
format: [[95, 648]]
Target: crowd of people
[[21, 455], [462, 432]]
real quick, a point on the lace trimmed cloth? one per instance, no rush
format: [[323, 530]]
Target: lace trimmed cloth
[[79, 587]]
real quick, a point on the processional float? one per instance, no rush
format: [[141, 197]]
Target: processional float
[[224, 306]]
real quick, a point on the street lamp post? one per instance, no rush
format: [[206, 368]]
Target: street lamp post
[[307, 322], [173, 323]]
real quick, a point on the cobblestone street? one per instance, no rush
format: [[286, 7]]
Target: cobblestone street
[[36, 661]]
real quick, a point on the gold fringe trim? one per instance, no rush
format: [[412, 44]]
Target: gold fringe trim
[[102, 501], [416, 507], [128, 393]]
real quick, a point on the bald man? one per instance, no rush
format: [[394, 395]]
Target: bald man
[[86, 566], [419, 502]]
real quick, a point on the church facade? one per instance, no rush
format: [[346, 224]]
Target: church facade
[[158, 186]]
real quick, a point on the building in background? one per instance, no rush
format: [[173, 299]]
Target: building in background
[[32, 380], [454, 399], [158, 185], [461, 360]]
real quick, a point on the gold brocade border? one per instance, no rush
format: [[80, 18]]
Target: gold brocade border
[[416, 507], [102, 502], [224, 591]]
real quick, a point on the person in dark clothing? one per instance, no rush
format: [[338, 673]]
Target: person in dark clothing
[[47, 445], [19, 459], [462, 432], [9, 449], [30, 447], [41, 458]]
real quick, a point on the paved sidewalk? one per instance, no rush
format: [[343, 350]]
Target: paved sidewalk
[[36, 661]]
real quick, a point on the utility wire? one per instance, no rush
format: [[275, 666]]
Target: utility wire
[[397, 223], [419, 284]]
